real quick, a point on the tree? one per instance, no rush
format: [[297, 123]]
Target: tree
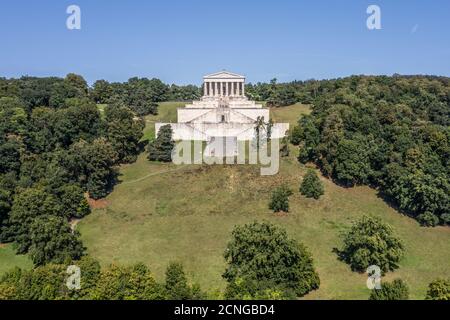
[[52, 241], [101, 91], [161, 148], [127, 283], [29, 204], [352, 164], [311, 186], [93, 165], [41, 283], [143, 95], [10, 155], [261, 257], [124, 132], [176, 285], [396, 290], [439, 290], [371, 242], [280, 199], [73, 86], [73, 202]]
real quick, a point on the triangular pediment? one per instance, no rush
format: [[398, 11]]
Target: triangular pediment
[[223, 75]]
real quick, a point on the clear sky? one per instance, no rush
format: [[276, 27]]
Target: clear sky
[[178, 41]]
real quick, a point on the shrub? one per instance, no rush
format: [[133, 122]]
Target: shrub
[[428, 219], [280, 199], [311, 186], [396, 290], [439, 290]]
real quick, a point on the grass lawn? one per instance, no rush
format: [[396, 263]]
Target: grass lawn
[[162, 212], [9, 259], [167, 112]]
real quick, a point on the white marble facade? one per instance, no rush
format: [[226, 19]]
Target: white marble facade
[[223, 111]]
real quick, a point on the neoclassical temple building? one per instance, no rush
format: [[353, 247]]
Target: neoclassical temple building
[[224, 111]]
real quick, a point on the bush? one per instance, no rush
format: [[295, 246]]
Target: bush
[[371, 242], [445, 218], [428, 219], [264, 262], [280, 199], [311, 186], [397, 290], [439, 290]]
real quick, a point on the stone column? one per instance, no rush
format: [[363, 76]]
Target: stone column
[[232, 89], [227, 84], [243, 89], [210, 89], [217, 89], [205, 89]]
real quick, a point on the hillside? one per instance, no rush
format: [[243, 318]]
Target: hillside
[[161, 212]]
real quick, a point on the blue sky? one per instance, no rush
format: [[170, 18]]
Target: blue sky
[[178, 41]]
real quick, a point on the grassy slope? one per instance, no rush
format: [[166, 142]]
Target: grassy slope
[[162, 212], [9, 260]]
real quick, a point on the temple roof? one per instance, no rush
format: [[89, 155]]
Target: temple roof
[[224, 75]]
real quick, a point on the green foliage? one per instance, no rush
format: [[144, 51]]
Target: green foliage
[[27, 206], [177, 286], [144, 94], [161, 148], [124, 132], [352, 161], [428, 219], [311, 186], [13, 117], [10, 155], [101, 92], [135, 282], [184, 93], [52, 241], [262, 259], [371, 242], [73, 202], [73, 86], [127, 283], [93, 164], [295, 135], [395, 290], [439, 290], [388, 132], [176, 283], [42, 283], [280, 199]]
